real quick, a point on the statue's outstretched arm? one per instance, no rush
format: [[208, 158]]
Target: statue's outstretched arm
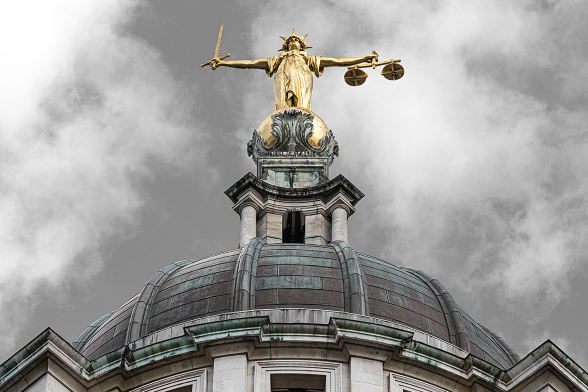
[[244, 64], [346, 61]]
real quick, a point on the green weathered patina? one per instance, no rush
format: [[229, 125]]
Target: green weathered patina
[[373, 329], [226, 329], [354, 286], [84, 336], [242, 295], [141, 310]]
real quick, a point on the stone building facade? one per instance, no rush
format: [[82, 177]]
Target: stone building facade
[[294, 308]]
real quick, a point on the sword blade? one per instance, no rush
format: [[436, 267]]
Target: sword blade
[[220, 34]]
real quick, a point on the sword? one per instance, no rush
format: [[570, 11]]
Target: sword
[[218, 41]]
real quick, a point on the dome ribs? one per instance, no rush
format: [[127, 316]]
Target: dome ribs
[[88, 332], [197, 289], [400, 296], [354, 286], [142, 308], [512, 354], [468, 334], [461, 339], [110, 334], [242, 296], [308, 277]]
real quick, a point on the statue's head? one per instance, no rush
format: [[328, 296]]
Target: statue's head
[[294, 42]]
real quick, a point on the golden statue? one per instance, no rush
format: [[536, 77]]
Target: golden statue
[[292, 70]]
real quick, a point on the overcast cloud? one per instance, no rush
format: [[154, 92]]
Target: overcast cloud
[[474, 165], [84, 108], [479, 164]]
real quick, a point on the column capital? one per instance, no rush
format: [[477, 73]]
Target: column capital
[[248, 204], [249, 197], [340, 199]]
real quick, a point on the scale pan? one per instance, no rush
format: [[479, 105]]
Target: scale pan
[[355, 77], [393, 71]]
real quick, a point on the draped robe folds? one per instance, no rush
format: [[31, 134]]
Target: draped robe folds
[[293, 77]]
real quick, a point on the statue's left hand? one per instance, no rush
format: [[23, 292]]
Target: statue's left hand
[[373, 56]]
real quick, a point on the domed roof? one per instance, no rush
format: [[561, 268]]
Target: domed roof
[[270, 276]]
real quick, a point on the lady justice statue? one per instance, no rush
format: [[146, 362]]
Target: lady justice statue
[[292, 70], [293, 147]]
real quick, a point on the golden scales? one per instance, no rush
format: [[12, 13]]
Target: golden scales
[[356, 77]]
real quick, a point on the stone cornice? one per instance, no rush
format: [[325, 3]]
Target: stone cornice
[[266, 198], [292, 326], [339, 182]]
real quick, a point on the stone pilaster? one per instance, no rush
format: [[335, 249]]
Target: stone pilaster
[[317, 229], [366, 375], [269, 228], [230, 374]]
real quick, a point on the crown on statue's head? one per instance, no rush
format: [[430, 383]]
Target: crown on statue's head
[[300, 39]]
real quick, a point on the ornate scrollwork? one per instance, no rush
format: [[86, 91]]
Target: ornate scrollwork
[[257, 146], [293, 130]]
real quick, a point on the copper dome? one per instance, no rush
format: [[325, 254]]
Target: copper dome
[[269, 276]]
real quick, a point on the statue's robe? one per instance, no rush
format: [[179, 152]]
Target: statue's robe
[[292, 73]]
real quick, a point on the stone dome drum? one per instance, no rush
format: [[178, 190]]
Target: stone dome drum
[[326, 278]]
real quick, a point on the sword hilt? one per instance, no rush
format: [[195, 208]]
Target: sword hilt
[[210, 61], [218, 41]]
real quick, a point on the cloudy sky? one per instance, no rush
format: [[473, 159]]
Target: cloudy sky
[[116, 147]]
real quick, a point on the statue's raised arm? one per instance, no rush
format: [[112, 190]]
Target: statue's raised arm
[[292, 69], [243, 64], [348, 61]]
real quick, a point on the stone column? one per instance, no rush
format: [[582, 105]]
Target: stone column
[[339, 225], [366, 375], [248, 224]]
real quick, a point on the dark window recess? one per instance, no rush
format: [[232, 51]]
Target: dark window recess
[[294, 231], [298, 383], [187, 388]]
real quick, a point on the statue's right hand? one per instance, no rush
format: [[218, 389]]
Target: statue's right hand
[[214, 63]]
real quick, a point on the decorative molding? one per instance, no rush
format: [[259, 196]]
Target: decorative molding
[[233, 326], [401, 383], [332, 371], [196, 378], [317, 236], [249, 196], [292, 129], [271, 236], [324, 189]]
